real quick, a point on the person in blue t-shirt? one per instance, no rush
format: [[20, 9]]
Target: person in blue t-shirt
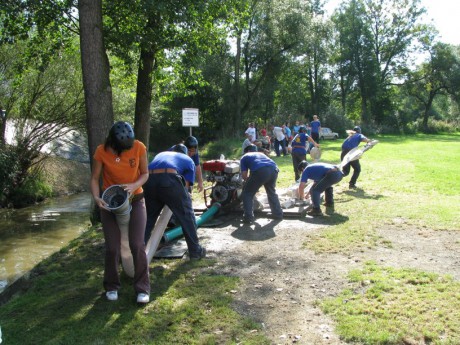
[[324, 175], [170, 175], [288, 133], [299, 149], [192, 146], [263, 172], [354, 139], [295, 128], [315, 127]]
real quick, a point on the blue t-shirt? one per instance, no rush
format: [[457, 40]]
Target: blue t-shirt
[[287, 130], [299, 143], [295, 129], [315, 126], [316, 171], [254, 161], [353, 141], [183, 164]]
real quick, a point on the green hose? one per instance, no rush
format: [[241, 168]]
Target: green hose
[[177, 231]]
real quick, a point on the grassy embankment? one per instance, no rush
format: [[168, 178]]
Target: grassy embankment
[[409, 180]]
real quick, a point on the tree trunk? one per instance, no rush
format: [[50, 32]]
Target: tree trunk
[[426, 113], [96, 81], [96, 70], [144, 96], [237, 116]]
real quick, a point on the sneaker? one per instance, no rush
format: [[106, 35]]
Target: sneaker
[[111, 295], [352, 186], [248, 220], [315, 212], [202, 254], [143, 298]]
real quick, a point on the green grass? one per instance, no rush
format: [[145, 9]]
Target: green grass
[[191, 304], [406, 182], [397, 306]]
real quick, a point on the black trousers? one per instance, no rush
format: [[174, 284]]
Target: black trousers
[[168, 189]]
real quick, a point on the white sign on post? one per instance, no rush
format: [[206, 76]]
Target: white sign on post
[[190, 117]]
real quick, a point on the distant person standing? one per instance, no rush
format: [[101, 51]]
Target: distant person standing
[[315, 126], [263, 172], [354, 139], [295, 128], [280, 140], [287, 133], [299, 146], [192, 151], [251, 131]]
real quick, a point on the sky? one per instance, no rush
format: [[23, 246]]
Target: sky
[[443, 14]]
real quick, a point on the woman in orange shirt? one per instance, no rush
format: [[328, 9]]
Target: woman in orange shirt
[[122, 160]]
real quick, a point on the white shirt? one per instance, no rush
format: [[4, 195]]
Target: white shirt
[[251, 131], [278, 132]]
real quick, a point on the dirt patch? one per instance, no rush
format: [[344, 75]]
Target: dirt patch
[[66, 176], [282, 280]]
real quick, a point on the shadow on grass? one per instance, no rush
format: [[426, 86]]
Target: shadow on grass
[[69, 306], [327, 219], [361, 194]]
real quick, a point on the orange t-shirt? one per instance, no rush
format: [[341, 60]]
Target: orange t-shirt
[[120, 169]]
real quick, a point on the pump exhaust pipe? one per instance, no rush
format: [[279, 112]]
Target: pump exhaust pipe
[[117, 200]]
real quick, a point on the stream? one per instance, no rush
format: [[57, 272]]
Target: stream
[[31, 234]]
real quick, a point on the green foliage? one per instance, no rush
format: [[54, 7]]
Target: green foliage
[[20, 188], [394, 306], [433, 127], [32, 190], [9, 168]]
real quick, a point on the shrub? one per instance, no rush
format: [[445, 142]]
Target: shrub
[[31, 191]]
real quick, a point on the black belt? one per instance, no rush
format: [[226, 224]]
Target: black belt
[[163, 171]]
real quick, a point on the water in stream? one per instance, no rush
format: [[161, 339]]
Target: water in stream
[[31, 234]]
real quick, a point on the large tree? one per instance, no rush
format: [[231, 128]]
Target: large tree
[[439, 75], [380, 36]]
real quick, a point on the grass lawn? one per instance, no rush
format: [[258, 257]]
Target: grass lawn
[[413, 180]]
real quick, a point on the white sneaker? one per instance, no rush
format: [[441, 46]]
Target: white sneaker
[[143, 298], [112, 295]]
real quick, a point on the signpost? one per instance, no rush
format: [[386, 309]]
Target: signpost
[[190, 118]]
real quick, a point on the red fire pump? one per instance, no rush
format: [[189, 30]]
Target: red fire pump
[[226, 181]]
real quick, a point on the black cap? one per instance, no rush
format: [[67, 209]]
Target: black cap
[[190, 142], [302, 165], [181, 148], [122, 135], [250, 148]]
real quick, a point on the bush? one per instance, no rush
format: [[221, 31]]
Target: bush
[[230, 148], [20, 186], [434, 127], [31, 191]]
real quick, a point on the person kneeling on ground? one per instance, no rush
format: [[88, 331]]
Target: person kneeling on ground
[[324, 176], [264, 172], [170, 176]]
